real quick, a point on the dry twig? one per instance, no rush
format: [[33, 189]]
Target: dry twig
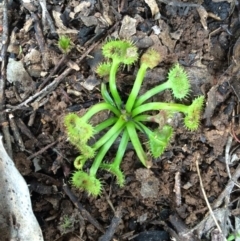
[[227, 155], [228, 189], [5, 39], [42, 150], [112, 227], [16, 133], [41, 41], [25, 130], [47, 16], [205, 197], [53, 84], [44, 91], [177, 3], [53, 72], [83, 211], [177, 188], [108, 200]]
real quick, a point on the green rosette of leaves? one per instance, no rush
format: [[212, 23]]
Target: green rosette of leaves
[[127, 119]]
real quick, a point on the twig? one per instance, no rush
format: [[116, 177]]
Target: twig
[[232, 127], [24, 129], [180, 231], [44, 91], [234, 135], [216, 236], [84, 212], [177, 188], [1, 26], [64, 57], [228, 189], [53, 72], [16, 133], [207, 223], [112, 227], [5, 39], [205, 197], [177, 3], [32, 118], [88, 51], [41, 41], [46, 15], [227, 156], [54, 83], [108, 200], [42, 150]]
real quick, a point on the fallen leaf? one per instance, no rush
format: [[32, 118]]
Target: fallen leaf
[[154, 8]]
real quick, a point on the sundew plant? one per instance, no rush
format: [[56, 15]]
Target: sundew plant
[[64, 43], [127, 119]]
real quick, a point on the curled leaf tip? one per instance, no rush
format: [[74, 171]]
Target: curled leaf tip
[[79, 162]]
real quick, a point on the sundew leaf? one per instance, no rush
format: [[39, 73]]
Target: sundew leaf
[[159, 140]]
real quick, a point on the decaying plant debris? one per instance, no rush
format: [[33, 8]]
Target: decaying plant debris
[[202, 36]]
